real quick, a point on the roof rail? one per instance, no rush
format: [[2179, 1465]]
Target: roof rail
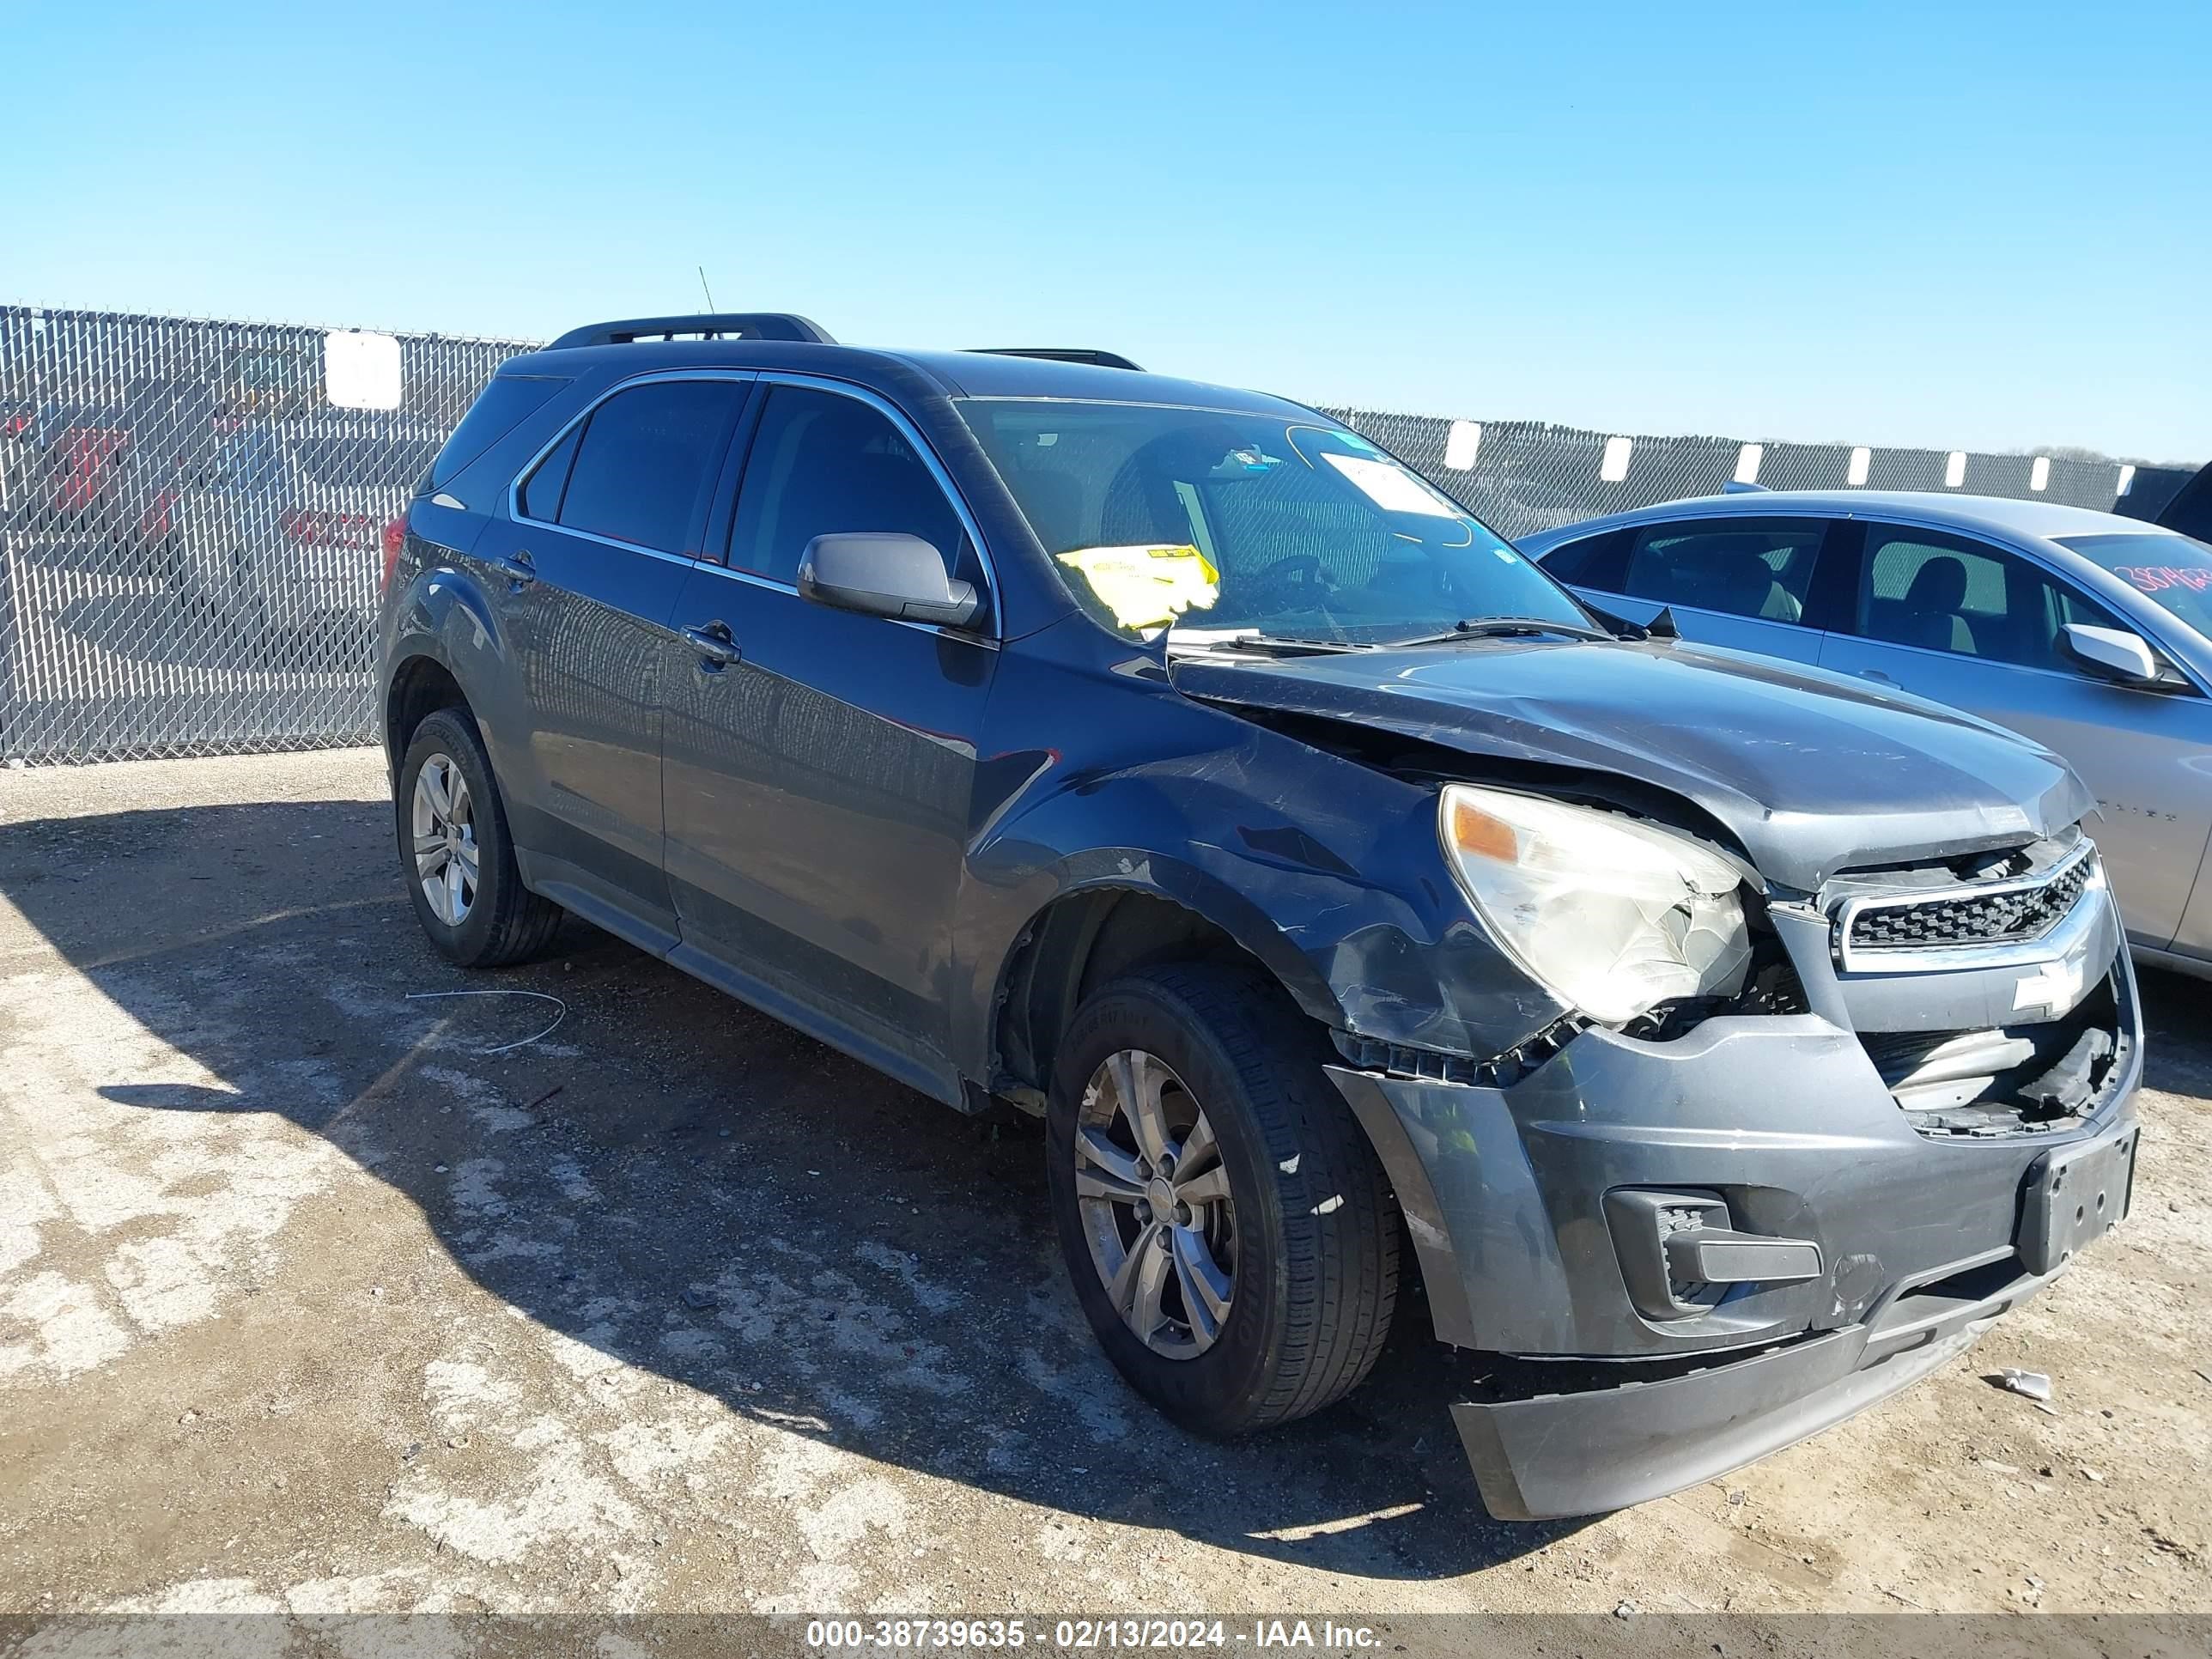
[[712, 325], [1061, 355]]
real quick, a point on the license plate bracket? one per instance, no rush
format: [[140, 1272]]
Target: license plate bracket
[[2075, 1195]]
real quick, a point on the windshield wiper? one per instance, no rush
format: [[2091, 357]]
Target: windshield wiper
[[1276, 644], [1492, 628]]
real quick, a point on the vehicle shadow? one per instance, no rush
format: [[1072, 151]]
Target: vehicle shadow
[[694, 1189]]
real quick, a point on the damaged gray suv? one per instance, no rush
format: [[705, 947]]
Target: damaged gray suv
[[1722, 1046]]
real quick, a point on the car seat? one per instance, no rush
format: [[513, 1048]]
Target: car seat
[[1929, 617]]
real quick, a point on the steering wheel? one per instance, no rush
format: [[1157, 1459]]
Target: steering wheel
[[1289, 582]]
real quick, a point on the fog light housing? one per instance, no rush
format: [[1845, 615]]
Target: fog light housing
[[1681, 1255]]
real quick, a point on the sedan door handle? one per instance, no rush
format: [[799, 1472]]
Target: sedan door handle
[[712, 641], [518, 569], [1875, 674]]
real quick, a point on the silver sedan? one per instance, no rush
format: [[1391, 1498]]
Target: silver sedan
[[2089, 633]]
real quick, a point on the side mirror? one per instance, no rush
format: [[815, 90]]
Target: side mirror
[[2112, 651], [884, 573]]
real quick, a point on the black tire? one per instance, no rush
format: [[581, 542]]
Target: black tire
[[1316, 1278], [505, 922]]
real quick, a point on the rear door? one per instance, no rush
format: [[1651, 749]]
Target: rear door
[[585, 572], [821, 762], [1964, 622], [1746, 583]]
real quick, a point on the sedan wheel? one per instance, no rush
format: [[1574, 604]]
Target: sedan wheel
[[1154, 1198]]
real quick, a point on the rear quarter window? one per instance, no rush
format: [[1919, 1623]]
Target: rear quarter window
[[504, 403], [1589, 560]]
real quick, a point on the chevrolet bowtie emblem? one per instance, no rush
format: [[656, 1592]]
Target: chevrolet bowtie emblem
[[2055, 986]]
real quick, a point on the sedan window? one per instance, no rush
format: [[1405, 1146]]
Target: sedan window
[[1939, 593], [1760, 568], [1589, 560]]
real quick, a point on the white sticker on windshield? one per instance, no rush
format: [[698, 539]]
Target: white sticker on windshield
[[1392, 488]]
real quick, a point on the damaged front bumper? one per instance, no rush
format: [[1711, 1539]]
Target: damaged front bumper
[[1846, 1250], [1608, 1446]]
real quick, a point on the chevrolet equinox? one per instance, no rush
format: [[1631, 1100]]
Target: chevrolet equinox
[[1722, 1045]]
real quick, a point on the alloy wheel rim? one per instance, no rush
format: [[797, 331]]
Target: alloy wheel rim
[[445, 839], [1153, 1194]]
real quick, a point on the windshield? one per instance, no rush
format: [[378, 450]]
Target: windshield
[[2175, 571], [1220, 523]]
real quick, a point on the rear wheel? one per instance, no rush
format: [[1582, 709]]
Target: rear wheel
[[456, 854], [1230, 1236]]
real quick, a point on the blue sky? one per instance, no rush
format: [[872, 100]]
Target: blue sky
[[1946, 225]]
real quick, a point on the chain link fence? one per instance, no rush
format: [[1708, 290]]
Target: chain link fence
[[190, 521], [191, 513]]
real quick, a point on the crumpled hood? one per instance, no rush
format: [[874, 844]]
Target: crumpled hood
[[1811, 773]]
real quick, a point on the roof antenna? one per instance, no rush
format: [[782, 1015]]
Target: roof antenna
[[704, 290]]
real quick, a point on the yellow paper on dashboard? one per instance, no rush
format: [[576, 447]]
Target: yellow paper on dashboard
[[1147, 586]]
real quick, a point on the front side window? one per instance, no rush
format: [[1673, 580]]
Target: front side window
[[2175, 571], [1741, 567], [822, 464], [1219, 521], [647, 462], [1939, 593]]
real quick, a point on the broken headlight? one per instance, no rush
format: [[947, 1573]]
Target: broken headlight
[[1610, 915]]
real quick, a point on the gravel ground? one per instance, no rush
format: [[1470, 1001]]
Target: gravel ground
[[311, 1302]]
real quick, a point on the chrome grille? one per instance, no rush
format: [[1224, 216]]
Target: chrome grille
[[2009, 912]]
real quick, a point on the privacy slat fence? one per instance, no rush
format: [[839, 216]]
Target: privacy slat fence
[[190, 510]]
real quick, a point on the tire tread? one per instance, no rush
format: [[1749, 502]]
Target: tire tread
[[1339, 1268]]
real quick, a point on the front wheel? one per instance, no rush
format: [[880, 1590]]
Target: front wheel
[[1231, 1237], [456, 854]]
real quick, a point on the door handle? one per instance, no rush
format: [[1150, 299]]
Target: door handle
[[517, 569], [712, 642], [1875, 674]]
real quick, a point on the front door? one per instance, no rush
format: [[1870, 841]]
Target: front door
[[1965, 622], [820, 763], [589, 569]]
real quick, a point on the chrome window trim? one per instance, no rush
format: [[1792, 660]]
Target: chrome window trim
[[907, 429], [514, 485], [2054, 942]]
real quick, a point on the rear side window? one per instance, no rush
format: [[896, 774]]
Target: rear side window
[[822, 464], [647, 460], [499, 409], [1740, 567]]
